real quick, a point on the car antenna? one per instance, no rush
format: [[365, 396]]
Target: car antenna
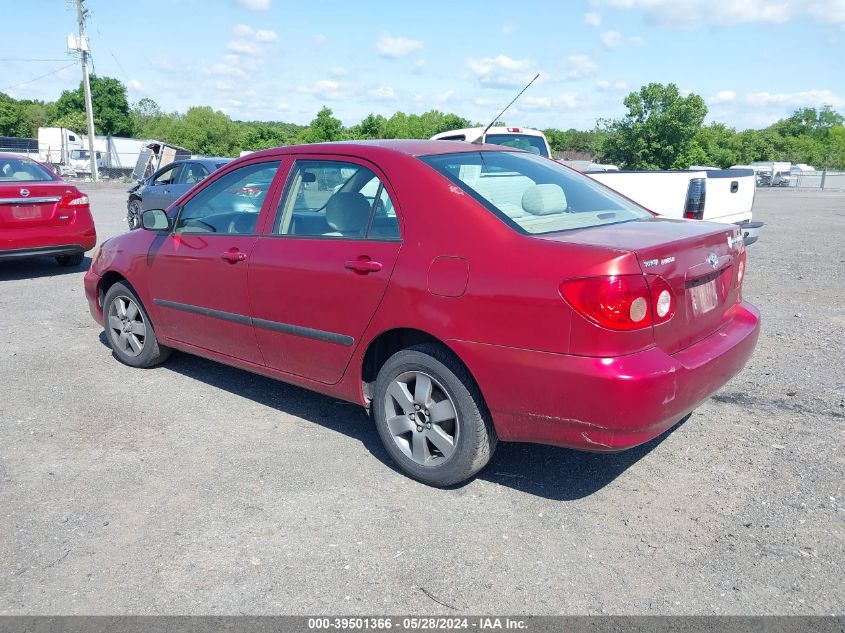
[[480, 139]]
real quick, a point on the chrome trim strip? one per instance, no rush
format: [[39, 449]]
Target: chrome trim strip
[[276, 326], [29, 200]]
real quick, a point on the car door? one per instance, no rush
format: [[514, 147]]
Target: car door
[[157, 194], [319, 272], [198, 271]]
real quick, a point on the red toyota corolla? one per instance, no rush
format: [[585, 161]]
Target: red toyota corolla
[[41, 214], [464, 293]]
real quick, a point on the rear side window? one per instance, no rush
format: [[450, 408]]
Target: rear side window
[[532, 194], [231, 204], [336, 199]]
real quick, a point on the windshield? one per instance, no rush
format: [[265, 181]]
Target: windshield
[[79, 154], [532, 194], [533, 144], [14, 169]]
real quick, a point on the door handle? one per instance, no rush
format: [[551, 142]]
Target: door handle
[[233, 256], [363, 265]]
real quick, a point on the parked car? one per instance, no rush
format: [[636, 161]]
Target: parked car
[[41, 214], [167, 185], [528, 139], [464, 294]]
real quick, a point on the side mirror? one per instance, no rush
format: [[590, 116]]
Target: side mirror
[[155, 220]]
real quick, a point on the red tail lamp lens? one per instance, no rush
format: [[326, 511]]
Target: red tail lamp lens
[[618, 302]]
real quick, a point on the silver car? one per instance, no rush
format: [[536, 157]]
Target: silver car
[[162, 188]]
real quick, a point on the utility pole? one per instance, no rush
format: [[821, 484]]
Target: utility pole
[[89, 110]]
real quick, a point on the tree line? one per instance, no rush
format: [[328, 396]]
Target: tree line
[[662, 129]]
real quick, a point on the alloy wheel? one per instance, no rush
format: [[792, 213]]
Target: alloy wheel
[[126, 325], [421, 418]]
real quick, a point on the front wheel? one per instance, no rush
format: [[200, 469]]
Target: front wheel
[[133, 214], [431, 417], [129, 330]]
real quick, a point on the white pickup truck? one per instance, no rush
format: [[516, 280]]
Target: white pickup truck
[[716, 195]]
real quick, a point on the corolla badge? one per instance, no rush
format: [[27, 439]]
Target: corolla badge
[[24, 193], [713, 260]]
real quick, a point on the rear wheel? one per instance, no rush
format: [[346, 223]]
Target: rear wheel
[[129, 330], [133, 214], [70, 260], [431, 417]]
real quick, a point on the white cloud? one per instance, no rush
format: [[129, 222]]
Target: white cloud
[[394, 47], [592, 19], [338, 71], [723, 96], [248, 41], [325, 89], [502, 71], [806, 98], [686, 14], [612, 39], [446, 97], [255, 5], [535, 103], [611, 86], [385, 93], [319, 38], [568, 101], [265, 35], [418, 66], [579, 66], [135, 85]]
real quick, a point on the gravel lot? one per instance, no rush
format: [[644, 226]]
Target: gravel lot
[[197, 488]]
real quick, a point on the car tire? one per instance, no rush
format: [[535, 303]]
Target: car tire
[[133, 214], [431, 416], [70, 261], [129, 330]]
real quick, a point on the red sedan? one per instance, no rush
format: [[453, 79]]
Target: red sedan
[[465, 294], [41, 214]]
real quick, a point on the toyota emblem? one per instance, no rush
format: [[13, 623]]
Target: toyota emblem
[[24, 193], [713, 260]]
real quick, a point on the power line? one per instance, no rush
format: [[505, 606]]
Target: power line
[[24, 59], [23, 83]]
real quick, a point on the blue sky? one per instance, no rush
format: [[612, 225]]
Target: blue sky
[[754, 61]]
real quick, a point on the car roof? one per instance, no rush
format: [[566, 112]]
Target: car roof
[[382, 148]]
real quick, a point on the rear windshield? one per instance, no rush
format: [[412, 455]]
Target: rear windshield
[[532, 194], [22, 169], [533, 144]]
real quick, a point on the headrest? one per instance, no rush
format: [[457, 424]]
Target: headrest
[[348, 212], [544, 200]]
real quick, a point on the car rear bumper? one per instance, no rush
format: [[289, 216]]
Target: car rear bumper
[[42, 251], [52, 241], [605, 404]]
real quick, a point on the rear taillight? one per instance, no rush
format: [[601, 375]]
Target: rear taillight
[[621, 302], [662, 300], [75, 201], [618, 302], [740, 274], [696, 195]]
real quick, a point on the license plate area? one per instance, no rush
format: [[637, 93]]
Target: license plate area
[[22, 212], [704, 298]]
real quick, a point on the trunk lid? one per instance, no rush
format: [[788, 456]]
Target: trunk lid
[[697, 259], [34, 204]]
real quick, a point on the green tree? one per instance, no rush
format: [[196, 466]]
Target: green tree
[[658, 131], [203, 130], [12, 121], [108, 99], [323, 128], [75, 121]]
